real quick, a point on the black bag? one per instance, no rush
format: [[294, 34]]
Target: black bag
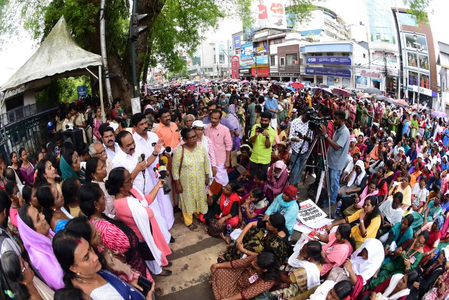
[[145, 251]]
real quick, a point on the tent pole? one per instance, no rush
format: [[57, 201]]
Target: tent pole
[[100, 82], [107, 82]]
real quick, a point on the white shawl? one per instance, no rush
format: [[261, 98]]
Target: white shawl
[[367, 268], [140, 216], [357, 180], [312, 271], [393, 283]]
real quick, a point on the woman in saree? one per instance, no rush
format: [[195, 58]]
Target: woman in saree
[[434, 229], [70, 165], [83, 270], [245, 278], [260, 235], [407, 257], [37, 239], [253, 206], [305, 276], [399, 233], [234, 121]]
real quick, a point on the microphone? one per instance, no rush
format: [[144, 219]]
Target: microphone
[[168, 151], [161, 173], [140, 159]]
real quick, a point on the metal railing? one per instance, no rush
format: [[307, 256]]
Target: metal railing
[[18, 114]]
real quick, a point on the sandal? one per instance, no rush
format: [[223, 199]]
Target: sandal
[[193, 227], [166, 273]]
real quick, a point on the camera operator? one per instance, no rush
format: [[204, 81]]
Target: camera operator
[[337, 153], [300, 136], [262, 137]]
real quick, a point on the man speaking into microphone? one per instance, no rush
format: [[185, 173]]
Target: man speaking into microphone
[[130, 158], [150, 145]]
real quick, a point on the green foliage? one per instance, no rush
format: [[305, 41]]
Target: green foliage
[[63, 90], [418, 9]]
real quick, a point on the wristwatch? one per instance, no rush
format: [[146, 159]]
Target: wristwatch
[[326, 136]]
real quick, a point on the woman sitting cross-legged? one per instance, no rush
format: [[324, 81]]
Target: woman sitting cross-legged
[[399, 233], [83, 270], [397, 287], [305, 277], [257, 236], [253, 206], [330, 290], [245, 278]]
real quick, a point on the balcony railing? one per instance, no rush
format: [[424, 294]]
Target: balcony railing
[[17, 114]]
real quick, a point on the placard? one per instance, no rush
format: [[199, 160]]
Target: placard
[[310, 213]]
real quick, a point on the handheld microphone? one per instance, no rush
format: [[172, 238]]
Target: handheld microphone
[[161, 173], [141, 159], [168, 151]]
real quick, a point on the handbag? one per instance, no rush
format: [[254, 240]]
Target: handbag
[[214, 231]]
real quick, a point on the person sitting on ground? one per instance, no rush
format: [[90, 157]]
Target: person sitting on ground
[[398, 234], [286, 205], [238, 280], [397, 287], [391, 213], [333, 291], [276, 179], [253, 207], [305, 276], [369, 221], [257, 236]]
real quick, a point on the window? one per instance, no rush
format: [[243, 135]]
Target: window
[[364, 55], [282, 61], [272, 60], [292, 59]]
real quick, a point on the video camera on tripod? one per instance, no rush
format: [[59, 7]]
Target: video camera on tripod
[[315, 121]]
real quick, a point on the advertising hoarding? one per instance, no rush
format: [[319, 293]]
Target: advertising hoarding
[[329, 60], [328, 72]]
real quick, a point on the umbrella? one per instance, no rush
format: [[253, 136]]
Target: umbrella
[[290, 88], [389, 100], [372, 90], [439, 114], [263, 82], [324, 90], [190, 88], [297, 85], [401, 102], [341, 92], [244, 81], [380, 97]]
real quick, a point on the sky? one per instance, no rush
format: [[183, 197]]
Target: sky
[[22, 48]]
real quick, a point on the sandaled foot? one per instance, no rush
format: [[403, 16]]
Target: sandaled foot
[[193, 227], [227, 239], [165, 273]]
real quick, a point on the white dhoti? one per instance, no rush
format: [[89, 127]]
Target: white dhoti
[[222, 175], [160, 220]]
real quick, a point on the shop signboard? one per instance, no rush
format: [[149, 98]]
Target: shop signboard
[[237, 42], [328, 72], [329, 60]]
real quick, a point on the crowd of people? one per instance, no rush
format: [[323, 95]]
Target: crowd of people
[[91, 219]]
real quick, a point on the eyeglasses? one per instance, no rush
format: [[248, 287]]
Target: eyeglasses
[[191, 137]]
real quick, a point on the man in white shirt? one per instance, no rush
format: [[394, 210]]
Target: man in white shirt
[[108, 137], [128, 158], [149, 143], [419, 194]]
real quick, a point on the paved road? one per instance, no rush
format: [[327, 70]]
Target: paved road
[[193, 254]]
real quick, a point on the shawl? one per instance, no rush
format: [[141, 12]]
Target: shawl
[[357, 180], [312, 271], [393, 283], [227, 202], [234, 120], [124, 289], [365, 195], [67, 171], [396, 230], [140, 216], [41, 254], [280, 165], [288, 209], [376, 255], [433, 237]]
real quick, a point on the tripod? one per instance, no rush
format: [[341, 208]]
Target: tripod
[[322, 144]]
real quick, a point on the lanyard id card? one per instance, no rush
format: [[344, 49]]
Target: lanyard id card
[[253, 278]]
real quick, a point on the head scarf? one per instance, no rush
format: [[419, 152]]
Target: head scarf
[[357, 179], [367, 268], [440, 220], [67, 171], [280, 165], [41, 254]]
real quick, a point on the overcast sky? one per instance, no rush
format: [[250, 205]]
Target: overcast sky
[[22, 48]]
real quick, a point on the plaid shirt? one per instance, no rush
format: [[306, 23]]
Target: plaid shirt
[[298, 126]]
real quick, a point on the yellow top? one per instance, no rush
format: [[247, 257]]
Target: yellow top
[[371, 231]]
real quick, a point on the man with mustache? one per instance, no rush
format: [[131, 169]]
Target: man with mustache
[[128, 158], [152, 147], [108, 137], [262, 137]]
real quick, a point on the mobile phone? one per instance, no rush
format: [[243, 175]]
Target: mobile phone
[[145, 284]]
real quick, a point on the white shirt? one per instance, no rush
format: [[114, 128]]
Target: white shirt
[[143, 183], [393, 215], [111, 154], [420, 194], [298, 126], [147, 147]]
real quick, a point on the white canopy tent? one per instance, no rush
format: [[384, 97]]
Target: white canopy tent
[[58, 56]]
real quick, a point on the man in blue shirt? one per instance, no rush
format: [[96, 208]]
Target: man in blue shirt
[[271, 106], [337, 153]]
